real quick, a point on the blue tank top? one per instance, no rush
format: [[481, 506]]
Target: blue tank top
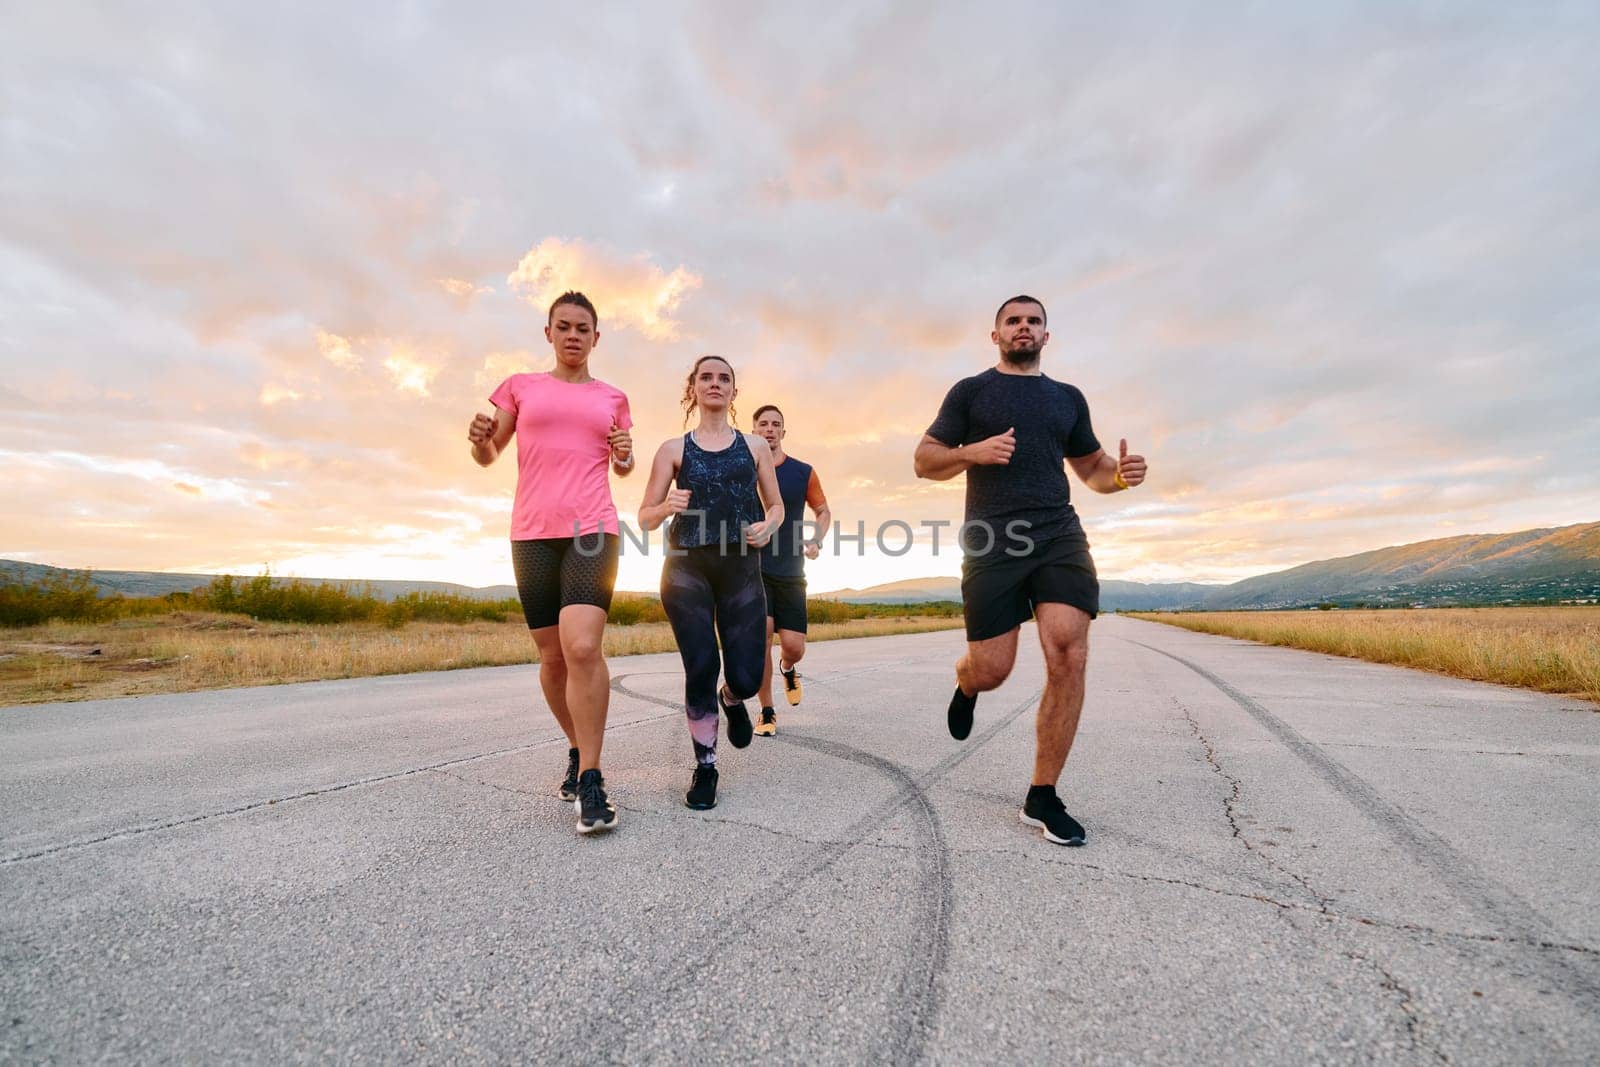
[[784, 554], [722, 495]]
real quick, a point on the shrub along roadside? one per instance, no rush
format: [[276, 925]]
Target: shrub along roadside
[[72, 597]]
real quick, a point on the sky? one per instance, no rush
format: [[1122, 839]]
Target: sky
[[1332, 269]]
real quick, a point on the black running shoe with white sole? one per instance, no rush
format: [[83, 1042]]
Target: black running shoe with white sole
[[739, 728], [1045, 810], [595, 812], [702, 795], [569, 784], [959, 717]]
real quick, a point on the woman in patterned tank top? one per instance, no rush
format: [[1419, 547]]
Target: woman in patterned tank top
[[718, 487]]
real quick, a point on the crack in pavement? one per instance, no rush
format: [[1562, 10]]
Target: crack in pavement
[[1498, 904], [1284, 905], [1408, 1005], [1230, 804], [305, 794], [289, 798]]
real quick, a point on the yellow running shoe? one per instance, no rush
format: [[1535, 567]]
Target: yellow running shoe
[[791, 683], [767, 725]]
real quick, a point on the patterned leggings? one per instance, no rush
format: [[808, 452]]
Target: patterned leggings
[[708, 595]]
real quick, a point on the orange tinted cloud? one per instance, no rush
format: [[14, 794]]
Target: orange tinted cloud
[[633, 291], [337, 350]]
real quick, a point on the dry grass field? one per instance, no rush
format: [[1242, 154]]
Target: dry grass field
[[1554, 649], [193, 650]]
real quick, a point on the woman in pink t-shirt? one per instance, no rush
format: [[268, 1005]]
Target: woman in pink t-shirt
[[564, 544]]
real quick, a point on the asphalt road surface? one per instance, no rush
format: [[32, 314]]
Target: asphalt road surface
[[1291, 858]]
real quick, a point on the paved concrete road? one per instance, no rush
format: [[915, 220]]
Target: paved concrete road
[[1291, 858]]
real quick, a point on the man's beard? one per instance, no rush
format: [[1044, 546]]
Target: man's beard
[[1020, 357]]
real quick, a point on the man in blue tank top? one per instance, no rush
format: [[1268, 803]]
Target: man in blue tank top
[[783, 564], [1012, 431]]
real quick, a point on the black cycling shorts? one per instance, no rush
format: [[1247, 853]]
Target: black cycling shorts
[[555, 572], [786, 601], [998, 592]]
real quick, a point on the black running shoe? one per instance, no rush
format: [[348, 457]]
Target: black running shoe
[[702, 795], [959, 717], [791, 683], [1045, 810], [767, 724], [595, 812], [739, 728], [569, 784]]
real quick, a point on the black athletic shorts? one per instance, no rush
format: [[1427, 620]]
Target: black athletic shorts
[[998, 592], [554, 572], [786, 601]]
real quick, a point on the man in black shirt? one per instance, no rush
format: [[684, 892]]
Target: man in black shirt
[[1010, 429]]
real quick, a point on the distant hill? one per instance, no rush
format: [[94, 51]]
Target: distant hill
[[1551, 564], [910, 591], [159, 583], [1530, 565], [1114, 595]]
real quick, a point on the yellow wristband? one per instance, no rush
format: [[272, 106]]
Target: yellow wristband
[[1117, 478]]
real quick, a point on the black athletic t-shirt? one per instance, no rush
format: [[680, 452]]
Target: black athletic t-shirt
[[1051, 420]]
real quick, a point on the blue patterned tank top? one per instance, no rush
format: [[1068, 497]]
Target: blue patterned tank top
[[722, 495]]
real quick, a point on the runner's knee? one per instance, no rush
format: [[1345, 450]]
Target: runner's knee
[[794, 647], [1067, 656], [743, 678], [581, 651], [987, 673]]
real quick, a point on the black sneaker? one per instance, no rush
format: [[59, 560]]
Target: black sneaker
[[959, 717], [569, 784], [767, 724], [1045, 810], [739, 728], [595, 812], [702, 795], [791, 683]]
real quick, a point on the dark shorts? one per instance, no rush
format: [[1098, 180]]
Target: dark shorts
[[555, 572], [998, 593], [786, 601]]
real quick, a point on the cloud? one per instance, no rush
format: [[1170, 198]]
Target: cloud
[[1317, 355], [464, 289], [272, 393], [408, 372], [337, 350], [631, 291]]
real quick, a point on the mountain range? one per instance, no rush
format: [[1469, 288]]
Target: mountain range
[[1556, 564], [1560, 564]]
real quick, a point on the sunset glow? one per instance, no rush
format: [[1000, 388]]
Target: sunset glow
[[1333, 276]]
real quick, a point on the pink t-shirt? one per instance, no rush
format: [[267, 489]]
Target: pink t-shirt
[[562, 454]]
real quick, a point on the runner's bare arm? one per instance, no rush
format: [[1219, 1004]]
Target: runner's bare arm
[[661, 498], [819, 506], [1100, 470], [940, 462], [489, 434]]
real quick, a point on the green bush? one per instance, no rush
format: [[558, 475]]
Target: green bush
[[628, 609], [69, 596]]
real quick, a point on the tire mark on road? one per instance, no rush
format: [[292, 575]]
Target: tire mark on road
[[1497, 903], [915, 1007]]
